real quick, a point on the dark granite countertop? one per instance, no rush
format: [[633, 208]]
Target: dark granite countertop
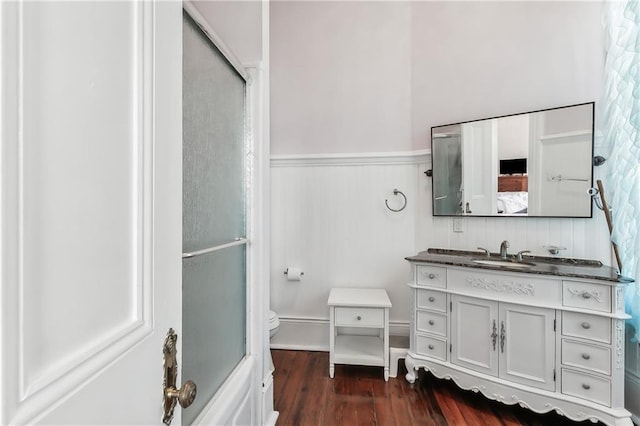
[[558, 266]]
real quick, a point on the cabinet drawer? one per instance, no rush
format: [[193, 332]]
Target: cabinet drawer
[[431, 276], [586, 295], [596, 358], [430, 346], [586, 386], [586, 326], [431, 322], [359, 317], [429, 299]]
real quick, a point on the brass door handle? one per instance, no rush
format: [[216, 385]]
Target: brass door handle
[[187, 393]]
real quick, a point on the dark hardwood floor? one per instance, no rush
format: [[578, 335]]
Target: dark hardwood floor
[[305, 395]]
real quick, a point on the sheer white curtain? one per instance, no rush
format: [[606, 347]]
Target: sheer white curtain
[[621, 115]]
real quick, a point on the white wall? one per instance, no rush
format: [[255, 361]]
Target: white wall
[[340, 77], [238, 23], [373, 77], [474, 60]]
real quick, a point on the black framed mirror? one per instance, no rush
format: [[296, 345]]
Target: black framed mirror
[[532, 164]]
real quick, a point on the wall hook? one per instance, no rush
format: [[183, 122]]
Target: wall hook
[[396, 192], [594, 193]]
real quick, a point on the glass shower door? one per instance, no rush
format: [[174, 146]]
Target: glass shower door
[[214, 219]]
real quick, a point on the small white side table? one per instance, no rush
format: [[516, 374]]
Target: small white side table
[[359, 308]]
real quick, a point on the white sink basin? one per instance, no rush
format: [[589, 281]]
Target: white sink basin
[[505, 262]]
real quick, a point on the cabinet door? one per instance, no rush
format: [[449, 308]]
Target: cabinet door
[[527, 345], [474, 329]]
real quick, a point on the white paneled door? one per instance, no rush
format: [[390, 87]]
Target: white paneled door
[[91, 209]]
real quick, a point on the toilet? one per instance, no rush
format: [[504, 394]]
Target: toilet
[[274, 323]]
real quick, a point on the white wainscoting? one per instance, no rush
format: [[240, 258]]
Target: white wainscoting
[[328, 217]]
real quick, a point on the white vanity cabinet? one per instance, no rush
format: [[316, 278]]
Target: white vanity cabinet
[[544, 341]]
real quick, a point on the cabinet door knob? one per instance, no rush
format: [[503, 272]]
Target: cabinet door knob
[[586, 325], [432, 299], [586, 386], [431, 322], [358, 317], [432, 276], [586, 356], [431, 347]]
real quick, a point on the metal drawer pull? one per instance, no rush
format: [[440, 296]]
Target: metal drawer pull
[[358, 317], [432, 299], [586, 325], [586, 295], [586, 386], [586, 356], [432, 276], [431, 322], [430, 347]]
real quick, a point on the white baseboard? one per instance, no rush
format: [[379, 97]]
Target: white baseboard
[[270, 416], [312, 334], [632, 395]]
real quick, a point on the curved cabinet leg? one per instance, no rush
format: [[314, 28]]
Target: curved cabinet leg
[[386, 374], [411, 369], [331, 370]]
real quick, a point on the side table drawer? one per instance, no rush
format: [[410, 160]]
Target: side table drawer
[[359, 317]]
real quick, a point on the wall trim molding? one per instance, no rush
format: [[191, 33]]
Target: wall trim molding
[[352, 159]]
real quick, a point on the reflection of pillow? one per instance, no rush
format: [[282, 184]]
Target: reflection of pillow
[[512, 202]]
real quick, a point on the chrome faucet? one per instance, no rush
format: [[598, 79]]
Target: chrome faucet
[[503, 249]]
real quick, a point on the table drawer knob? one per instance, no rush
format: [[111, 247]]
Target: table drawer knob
[[586, 356], [358, 317], [431, 276], [586, 386], [431, 322], [586, 295], [586, 325], [430, 347], [432, 299]]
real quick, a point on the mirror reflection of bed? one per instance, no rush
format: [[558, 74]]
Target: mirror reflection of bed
[[512, 198]]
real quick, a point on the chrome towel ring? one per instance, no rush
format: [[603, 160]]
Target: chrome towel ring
[[396, 192]]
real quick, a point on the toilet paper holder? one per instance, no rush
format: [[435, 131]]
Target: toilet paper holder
[[286, 272]]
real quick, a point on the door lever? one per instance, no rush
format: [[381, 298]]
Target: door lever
[[187, 393]]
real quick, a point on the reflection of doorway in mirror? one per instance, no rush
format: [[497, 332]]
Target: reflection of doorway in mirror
[[479, 167], [561, 152], [513, 147]]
